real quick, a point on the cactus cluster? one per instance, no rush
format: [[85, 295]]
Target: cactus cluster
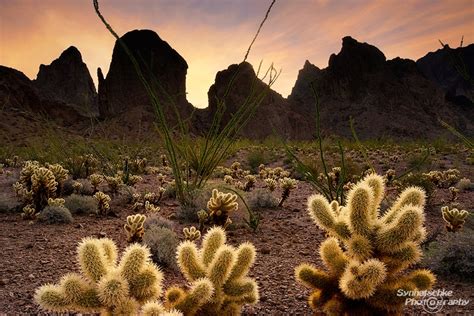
[[105, 285], [367, 251], [103, 201], [219, 206], [270, 183], [56, 202], [454, 218], [225, 270], [134, 228], [286, 184], [95, 180]]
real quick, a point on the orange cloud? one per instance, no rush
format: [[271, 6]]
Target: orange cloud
[[211, 35]]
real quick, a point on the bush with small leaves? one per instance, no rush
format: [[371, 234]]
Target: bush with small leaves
[[81, 204], [159, 221], [134, 228], [367, 251], [162, 243], [451, 256], [55, 215], [262, 199]]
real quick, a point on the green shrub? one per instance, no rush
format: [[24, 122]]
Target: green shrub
[[162, 242], [156, 220], [55, 215], [451, 256], [261, 199], [81, 204], [255, 158]]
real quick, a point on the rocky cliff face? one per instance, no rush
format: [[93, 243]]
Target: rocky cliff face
[[272, 117], [121, 91], [453, 71], [385, 98], [67, 80]]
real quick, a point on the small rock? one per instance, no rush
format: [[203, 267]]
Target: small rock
[[102, 234], [3, 282], [31, 276], [265, 251], [79, 225]]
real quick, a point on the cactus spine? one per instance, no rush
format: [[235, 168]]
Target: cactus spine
[[366, 252], [222, 267]]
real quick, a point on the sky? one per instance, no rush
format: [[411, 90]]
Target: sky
[[213, 34]]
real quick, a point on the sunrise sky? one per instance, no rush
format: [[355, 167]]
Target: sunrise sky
[[212, 34]]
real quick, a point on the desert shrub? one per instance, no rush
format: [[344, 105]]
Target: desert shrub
[[55, 215], [465, 184], [81, 204], [452, 256], [255, 158], [158, 221], [261, 198], [162, 243]]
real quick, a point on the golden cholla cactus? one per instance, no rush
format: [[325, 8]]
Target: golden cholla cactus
[[77, 187], [96, 179], [367, 251], [287, 184], [24, 195], [220, 205], [60, 174], [249, 182], [151, 208], [114, 183], [134, 227], [29, 212], [128, 287], [134, 179], [454, 218], [27, 172], [191, 233], [228, 179], [271, 184], [224, 267], [103, 201], [43, 186], [56, 202]]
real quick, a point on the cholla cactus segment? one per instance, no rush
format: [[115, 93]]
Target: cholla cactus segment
[[114, 183], [191, 233], [366, 253], [29, 212], [134, 179], [228, 179], [250, 181], [150, 208], [220, 205], [454, 193], [106, 286], [454, 218], [103, 205], [60, 173], [134, 227], [220, 267], [56, 202]]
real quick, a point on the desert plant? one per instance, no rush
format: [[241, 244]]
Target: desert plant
[[451, 256], [43, 186], [367, 251], [261, 198], [150, 208], [219, 206], [114, 183], [224, 266], [159, 221], [60, 175], [134, 228], [199, 158], [96, 179], [77, 187], [270, 183], [79, 204], [191, 233], [249, 182], [103, 201], [464, 184], [162, 242], [56, 202], [454, 218], [29, 212], [107, 286], [55, 215], [286, 184]]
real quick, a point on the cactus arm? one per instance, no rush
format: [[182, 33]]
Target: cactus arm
[[312, 277], [188, 261], [321, 212], [359, 202], [333, 256], [92, 259], [245, 259], [214, 239]]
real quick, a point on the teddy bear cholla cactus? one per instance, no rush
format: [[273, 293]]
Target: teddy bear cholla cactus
[[367, 252], [454, 218], [220, 205], [103, 201], [191, 233], [111, 287], [224, 266], [287, 184], [134, 227]]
